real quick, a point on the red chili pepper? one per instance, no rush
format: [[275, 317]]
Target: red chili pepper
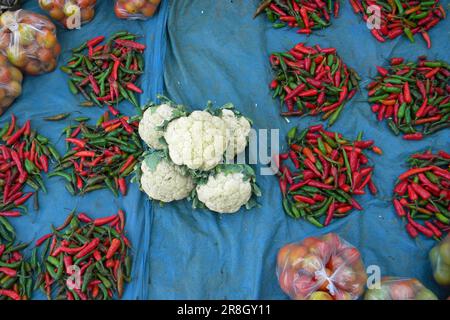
[[10, 294], [84, 218], [414, 171], [399, 208], [102, 221], [122, 186], [88, 154], [130, 44], [330, 213], [411, 230], [88, 248], [433, 228], [133, 87], [23, 199], [11, 214], [115, 245], [95, 41]]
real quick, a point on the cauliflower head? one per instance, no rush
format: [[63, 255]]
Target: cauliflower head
[[149, 127], [198, 141], [239, 129], [165, 182], [225, 193]]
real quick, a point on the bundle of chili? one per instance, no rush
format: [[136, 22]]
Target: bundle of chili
[[413, 97], [327, 172], [107, 73], [312, 80], [302, 14], [423, 194], [401, 17], [100, 156], [84, 259], [15, 272], [24, 155]]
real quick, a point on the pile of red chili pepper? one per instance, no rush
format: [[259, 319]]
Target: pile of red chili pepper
[[413, 97], [100, 156], [399, 17], [107, 73], [24, 155], [306, 15], [312, 80], [423, 194], [16, 281], [325, 172], [84, 259]]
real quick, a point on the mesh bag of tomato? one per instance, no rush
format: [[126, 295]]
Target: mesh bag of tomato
[[312, 81], [440, 262], [321, 268], [84, 258], [422, 195], [29, 41], [400, 17], [135, 9], [70, 13], [10, 84], [414, 98], [327, 171], [394, 288]]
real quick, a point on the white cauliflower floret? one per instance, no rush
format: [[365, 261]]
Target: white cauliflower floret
[[166, 183], [197, 141], [153, 118], [239, 129], [225, 193]]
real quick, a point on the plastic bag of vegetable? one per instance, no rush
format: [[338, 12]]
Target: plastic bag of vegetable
[[10, 84], [440, 262], [135, 9], [29, 41], [321, 268], [6, 5], [392, 288], [70, 13]]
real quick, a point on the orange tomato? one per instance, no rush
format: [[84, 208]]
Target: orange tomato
[[5, 75], [45, 55], [57, 13], [87, 14], [148, 10]]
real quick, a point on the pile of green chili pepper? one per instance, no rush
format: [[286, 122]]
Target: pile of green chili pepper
[[312, 80], [107, 73], [84, 259], [413, 97], [328, 171], [16, 281], [24, 155], [423, 194], [100, 156], [398, 17], [306, 15]]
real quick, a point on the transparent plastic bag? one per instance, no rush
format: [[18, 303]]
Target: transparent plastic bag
[[29, 41], [70, 13], [6, 5], [321, 268], [392, 288], [10, 84], [135, 9], [440, 262]]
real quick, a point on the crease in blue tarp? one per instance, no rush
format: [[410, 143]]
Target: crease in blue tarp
[[217, 52], [48, 95]]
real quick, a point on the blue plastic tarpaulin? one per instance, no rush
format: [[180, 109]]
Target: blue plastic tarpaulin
[[48, 94], [217, 52]]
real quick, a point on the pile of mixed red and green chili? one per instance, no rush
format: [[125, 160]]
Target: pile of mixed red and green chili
[[312, 80], [398, 17], [24, 155], [100, 156], [305, 15], [107, 73], [84, 259], [423, 194], [413, 97], [16, 281], [328, 171]]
